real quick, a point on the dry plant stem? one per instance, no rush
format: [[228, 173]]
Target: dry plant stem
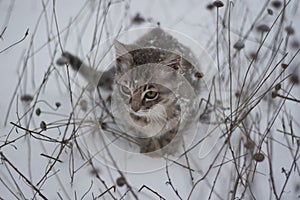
[[101, 180], [101, 31], [258, 50], [288, 174], [87, 192], [273, 187], [2, 33], [96, 26], [216, 177], [229, 63], [24, 177], [230, 131], [56, 24], [112, 187], [61, 31], [246, 35], [119, 171], [217, 40], [188, 165], [124, 195], [179, 164], [288, 98], [154, 192], [15, 91], [19, 191], [269, 157], [207, 172], [169, 182], [16, 43], [11, 190]]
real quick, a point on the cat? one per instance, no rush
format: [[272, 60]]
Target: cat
[[154, 84]]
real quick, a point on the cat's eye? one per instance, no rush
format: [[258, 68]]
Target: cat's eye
[[151, 94], [125, 90]]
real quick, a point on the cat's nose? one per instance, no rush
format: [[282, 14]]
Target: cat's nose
[[135, 106]]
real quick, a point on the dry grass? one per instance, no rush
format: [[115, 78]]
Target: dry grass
[[251, 107]]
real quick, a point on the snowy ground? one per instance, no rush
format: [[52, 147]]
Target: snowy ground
[[252, 151]]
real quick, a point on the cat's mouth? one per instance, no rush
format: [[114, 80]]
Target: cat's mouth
[[139, 120]]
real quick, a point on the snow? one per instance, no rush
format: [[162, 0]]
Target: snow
[[73, 164]]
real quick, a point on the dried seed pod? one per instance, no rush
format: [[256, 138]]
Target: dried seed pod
[[121, 181], [38, 111], [83, 105], [249, 144], [270, 11], [259, 157], [62, 61], [290, 30], [274, 94], [95, 171], [262, 28], [138, 19], [239, 45], [103, 125], [294, 78], [199, 74], [218, 4], [43, 125], [297, 187], [278, 86], [57, 104], [284, 65], [210, 6], [253, 55], [27, 98], [295, 44], [276, 4]]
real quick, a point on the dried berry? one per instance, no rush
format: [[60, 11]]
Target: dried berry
[[270, 11], [294, 79], [95, 171], [284, 66], [249, 144], [210, 6], [239, 45], [57, 104], [259, 157], [253, 55], [274, 95], [276, 4], [121, 181], [290, 30], [38, 111], [278, 86], [138, 19], [218, 4], [83, 105], [199, 74], [26, 98], [103, 125], [43, 125], [262, 28], [295, 44]]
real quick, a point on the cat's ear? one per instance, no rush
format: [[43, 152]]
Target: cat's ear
[[123, 57], [172, 60], [121, 49]]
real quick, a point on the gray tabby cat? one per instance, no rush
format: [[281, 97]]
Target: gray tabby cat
[[155, 83]]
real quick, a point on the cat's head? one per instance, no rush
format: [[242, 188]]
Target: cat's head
[[142, 78], [130, 56]]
